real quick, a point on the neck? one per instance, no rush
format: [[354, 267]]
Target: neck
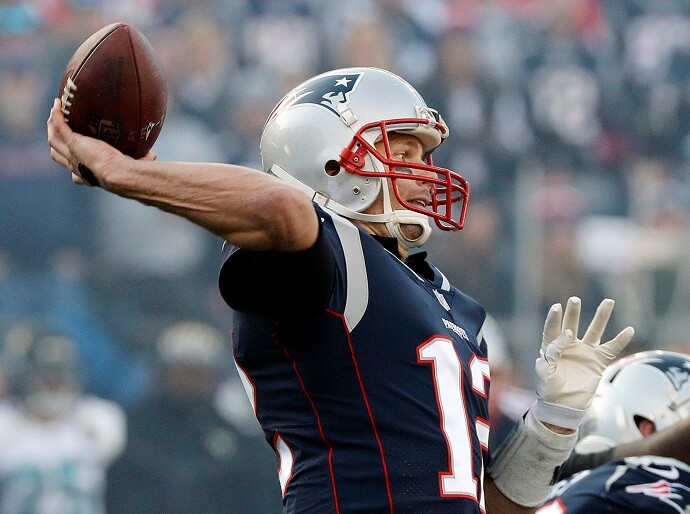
[[380, 229]]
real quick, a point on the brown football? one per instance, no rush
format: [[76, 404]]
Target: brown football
[[113, 89]]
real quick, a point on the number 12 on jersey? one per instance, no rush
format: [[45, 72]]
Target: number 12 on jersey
[[459, 480]]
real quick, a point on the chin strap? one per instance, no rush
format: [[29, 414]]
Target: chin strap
[[392, 218], [397, 218], [403, 217]]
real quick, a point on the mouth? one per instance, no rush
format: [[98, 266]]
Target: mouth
[[421, 202]]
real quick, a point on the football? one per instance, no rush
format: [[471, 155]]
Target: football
[[113, 89]]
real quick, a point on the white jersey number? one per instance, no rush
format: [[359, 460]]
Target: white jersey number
[[459, 480]]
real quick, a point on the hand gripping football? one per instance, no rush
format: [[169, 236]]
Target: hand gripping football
[[114, 89]]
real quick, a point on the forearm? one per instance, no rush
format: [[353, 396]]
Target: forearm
[[522, 468], [496, 502], [673, 442], [243, 206]]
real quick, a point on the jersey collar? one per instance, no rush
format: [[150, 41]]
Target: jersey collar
[[416, 261]]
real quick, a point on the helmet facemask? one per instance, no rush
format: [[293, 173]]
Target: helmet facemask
[[448, 191]]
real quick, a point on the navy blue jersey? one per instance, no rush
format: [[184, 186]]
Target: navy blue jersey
[[380, 402], [635, 484]]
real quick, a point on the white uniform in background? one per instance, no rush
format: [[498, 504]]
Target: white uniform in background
[[58, 466]]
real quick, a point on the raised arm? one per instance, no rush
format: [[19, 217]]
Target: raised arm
[[568, 372], [245, 207]]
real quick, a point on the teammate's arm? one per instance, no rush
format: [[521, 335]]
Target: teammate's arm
[[670, 442], [673, 442], [245, 207]]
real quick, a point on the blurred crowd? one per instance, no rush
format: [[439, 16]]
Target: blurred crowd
[[569, 118]]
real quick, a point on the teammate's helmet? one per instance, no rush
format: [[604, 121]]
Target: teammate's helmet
[[653, 385], [321, 136]]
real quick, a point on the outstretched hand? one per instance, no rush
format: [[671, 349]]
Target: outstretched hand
[[568, 368], [70, 149]]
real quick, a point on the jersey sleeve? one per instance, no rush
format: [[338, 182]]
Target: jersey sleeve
[[277, 284]]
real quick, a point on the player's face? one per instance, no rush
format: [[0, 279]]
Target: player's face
[[407, 148]]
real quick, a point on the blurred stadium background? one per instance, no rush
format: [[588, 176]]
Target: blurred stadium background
[[570, 119]]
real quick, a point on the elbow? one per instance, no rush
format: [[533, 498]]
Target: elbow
[[292, 222]]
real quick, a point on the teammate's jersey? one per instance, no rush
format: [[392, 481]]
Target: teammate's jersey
[[58, 466], [380, 403], [635, 484]]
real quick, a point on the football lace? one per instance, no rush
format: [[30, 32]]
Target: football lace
[[67, 95]]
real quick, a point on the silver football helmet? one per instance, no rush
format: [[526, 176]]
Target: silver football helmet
[[653, 385], [321, 136]]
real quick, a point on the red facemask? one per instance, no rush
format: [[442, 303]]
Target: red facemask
[[446, 187]]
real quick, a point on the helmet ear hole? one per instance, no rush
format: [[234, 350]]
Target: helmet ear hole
[[332, 168], [638, 420], [644, 425]]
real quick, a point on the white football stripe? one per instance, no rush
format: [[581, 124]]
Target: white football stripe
[[247, 384], [445, 285], [286, 460], [357, 283]]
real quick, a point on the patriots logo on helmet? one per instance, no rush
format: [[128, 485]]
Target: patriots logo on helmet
[[329, 91], [677, 370]]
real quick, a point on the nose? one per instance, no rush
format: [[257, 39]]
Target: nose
[[426, 174]]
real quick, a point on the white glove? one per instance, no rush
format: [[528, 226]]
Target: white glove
[[568, 368]]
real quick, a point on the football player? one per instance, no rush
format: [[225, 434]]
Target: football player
[[55, 442], [367, 370], [638, 396]]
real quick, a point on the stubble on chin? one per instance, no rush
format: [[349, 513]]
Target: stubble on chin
[[411, 232]]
